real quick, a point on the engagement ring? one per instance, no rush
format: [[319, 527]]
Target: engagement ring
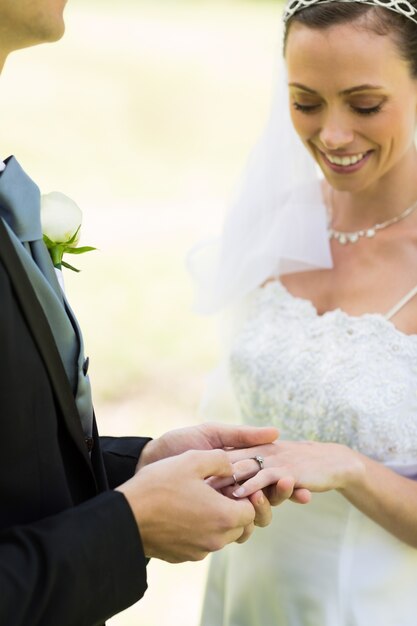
[[260, 460]]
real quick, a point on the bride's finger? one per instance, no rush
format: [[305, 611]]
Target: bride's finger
[[263, 479], [242, 470], [301, 496], [280, 491], [241, 454], [284, 489]]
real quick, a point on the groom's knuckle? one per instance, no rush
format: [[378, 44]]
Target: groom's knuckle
[[216, 542], [201, 555], [227, 520], [198, 554]]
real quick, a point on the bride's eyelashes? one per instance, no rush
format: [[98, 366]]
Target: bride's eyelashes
[[368, 110], [306, 108], [313, 108]]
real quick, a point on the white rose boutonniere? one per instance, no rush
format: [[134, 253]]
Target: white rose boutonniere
[[61, 223]]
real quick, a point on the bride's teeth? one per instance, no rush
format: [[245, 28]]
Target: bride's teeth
[[352, 160], [356, 159]]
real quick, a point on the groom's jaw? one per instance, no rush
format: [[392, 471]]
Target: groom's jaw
[[25, 23]]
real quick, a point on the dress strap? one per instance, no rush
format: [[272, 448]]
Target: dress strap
[[409, 296]]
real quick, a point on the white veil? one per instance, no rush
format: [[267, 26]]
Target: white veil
[[277, 224]]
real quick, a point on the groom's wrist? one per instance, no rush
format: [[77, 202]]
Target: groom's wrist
[[151, 453]]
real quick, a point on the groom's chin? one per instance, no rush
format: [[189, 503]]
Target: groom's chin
[[42, 22], [49, 29], [46, 33], [47, 23], [55, 34], [42, 36]]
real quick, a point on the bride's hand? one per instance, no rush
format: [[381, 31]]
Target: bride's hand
[[209, 436], [312, 465]]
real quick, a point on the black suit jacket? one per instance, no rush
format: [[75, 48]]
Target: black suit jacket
[[70, 551]]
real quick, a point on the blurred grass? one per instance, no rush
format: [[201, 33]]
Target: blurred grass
[[144, 114]]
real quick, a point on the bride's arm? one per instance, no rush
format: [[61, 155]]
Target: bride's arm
[[383, 495]]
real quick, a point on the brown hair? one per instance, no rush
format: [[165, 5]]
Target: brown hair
[[374, 18]]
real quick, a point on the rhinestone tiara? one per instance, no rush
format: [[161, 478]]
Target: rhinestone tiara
[[403, 7]]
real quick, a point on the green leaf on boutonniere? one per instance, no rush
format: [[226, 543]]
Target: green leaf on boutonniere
[[80, 250], [70, 267], [58, 249]]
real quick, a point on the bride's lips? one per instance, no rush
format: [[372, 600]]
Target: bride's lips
[[346, 168]]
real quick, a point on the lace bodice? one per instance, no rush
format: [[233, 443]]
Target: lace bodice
[[331, 377]]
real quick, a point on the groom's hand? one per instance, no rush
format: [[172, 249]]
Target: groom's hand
[[211, 436], [208, 436], [180, 517]]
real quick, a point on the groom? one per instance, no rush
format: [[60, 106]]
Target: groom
[[80, 515]]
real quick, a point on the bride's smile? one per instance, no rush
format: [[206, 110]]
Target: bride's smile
[[345, 164]]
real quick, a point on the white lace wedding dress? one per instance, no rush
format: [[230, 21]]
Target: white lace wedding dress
[[334, 378]]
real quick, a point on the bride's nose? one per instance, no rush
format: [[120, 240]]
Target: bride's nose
[[336, 132]]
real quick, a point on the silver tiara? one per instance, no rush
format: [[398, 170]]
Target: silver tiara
[[403, 7]]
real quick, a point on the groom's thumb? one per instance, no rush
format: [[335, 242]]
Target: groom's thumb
[[210, 463]]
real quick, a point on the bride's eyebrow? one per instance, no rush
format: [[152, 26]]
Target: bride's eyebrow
[[345, 92], [303, 87], [361, 88]]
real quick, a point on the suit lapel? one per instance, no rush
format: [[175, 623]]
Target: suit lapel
[[42, 335]]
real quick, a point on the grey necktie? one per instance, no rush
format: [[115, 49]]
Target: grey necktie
[[20, 210]]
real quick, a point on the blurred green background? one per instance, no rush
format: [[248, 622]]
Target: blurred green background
[[144, 114]]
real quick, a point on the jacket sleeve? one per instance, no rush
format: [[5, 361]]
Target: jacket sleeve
[[76, 568], [121, 455]]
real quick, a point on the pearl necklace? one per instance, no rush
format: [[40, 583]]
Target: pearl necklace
[[354, 236]]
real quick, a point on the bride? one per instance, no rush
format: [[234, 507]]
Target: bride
[[320, 271]]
